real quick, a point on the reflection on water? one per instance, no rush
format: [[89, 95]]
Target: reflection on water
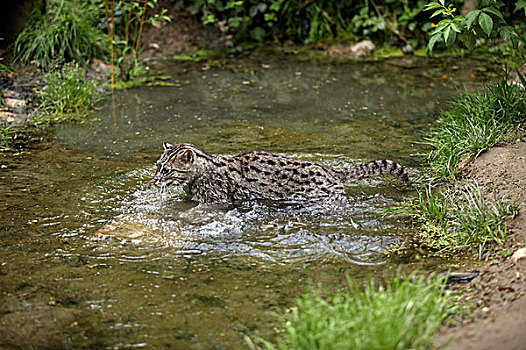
[[94, 253]]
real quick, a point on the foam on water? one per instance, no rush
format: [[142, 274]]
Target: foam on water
[[347, 227]]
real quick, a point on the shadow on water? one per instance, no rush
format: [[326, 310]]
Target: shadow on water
[[98, 258]]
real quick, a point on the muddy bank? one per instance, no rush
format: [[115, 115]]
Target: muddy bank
[[497, 296]]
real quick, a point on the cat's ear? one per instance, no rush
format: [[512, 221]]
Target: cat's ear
[[166, 145], [188, 156]]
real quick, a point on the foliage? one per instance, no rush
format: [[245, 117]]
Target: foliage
[[124, 21], [68, 94], [460, 219], [402, 314], [487, 22], [474, 123], [66, 32], [313, 21]]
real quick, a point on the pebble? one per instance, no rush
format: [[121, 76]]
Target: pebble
[[519, 254], [15, 103]]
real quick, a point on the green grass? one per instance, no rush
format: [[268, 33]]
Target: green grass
[[457, 217], [6, 135], [66, 32], [68, 95], [460, 219], [474, 123], [404, 313]]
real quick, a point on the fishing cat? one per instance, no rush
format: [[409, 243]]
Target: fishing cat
[[258, 175]]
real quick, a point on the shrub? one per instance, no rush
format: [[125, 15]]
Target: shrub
[[66, 32]]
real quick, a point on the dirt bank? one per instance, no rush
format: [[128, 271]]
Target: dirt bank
[[499, 318]]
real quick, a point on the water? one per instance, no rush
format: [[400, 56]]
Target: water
[[169, 273]]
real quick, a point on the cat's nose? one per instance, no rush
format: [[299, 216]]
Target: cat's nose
[[156, 178]]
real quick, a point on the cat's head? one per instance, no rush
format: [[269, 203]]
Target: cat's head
[[179, 164]]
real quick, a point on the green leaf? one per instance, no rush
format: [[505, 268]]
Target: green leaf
[[515, 43], [446, 34], [269, 17], [443, 24], [434, 38], [455, 27], [520, 5], [493, 11], [436, 13], [508, 33], [486, 23], [234, 22], [451, 37], [257, 34], [469, 39], [471, 17], [521, 77], [257, 8], [432, 6]]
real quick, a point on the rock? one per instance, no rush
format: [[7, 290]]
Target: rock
[[126, 232], [15, 103], [7, 117], [100, 66], [362, 48], [407, 49], [519, 254], [129, 229], [461, 277]]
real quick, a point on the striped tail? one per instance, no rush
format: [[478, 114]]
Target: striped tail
[[375, 168]]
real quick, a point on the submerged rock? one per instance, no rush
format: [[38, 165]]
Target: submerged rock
[[128, 229]]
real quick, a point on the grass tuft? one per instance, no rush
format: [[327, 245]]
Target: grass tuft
[[66, 32], [460, 219], [474, 123], [457, 217], [7, 133], [68, 95], [404, 313]]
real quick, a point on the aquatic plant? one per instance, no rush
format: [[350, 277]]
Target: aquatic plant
[[403, 313]]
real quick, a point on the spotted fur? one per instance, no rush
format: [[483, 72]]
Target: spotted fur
[[258, 175]]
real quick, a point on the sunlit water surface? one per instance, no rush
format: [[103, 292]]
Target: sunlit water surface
[[170, 273]]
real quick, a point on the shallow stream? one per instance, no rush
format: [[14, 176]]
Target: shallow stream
[[206, 276]]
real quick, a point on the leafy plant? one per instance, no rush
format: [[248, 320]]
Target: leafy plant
[[68, 94], [125, 22], [67, 31], [403, 313], [309, 21], [487, 22]]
